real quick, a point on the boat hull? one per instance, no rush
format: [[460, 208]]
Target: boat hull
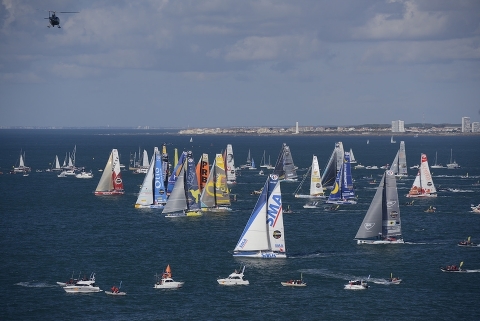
[[115, 192], [399, 241], [149, 206], [421, 195], [170, 285], [342, 202], [217, 209], [310, 196], [355, 287], [230, 282], [81, 289], [115, 293], [294, 284], [260, 254]]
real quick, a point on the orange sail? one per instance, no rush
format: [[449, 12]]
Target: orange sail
[[203, 171], [168, 272]]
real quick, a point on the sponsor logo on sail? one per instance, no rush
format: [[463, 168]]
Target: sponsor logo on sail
[[391, 203], [389, 173], [277, 234], [369, 225]]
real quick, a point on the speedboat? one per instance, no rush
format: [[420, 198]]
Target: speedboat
[[431, 209], [295, 283], [359, 166], [467, 243], [83, 286], [476, 209], [235, 278], [166, 281], [453, 268], [311, 205], [84, 174], [393, 280], [356, 285], [116, 290]]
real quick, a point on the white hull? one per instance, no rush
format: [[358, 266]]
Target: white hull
[[293, 284], [115, 293], [399, 241], [221, 209], [422, 195], [342, 202], [81, 289], [168, 284], [356, 285], [149, 206], [310, 196], [229, 282], [261, 254]]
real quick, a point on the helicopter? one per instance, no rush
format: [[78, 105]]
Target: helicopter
[[54, 19]]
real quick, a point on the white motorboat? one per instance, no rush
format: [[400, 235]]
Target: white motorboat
[[83, 286], [311, 205], [359, 166], [393, 280], [235, 278], [84, 174], [166, 281], [476, 209], [356, 285]]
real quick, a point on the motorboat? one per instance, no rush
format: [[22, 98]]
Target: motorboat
[[311, 205], [116, 290], [393, 280], [287, 210], [359, 166], [84, 174], [295, 283], [235, 278], [467, 243], [453, 268], [431, 209], [166, 281], [475, 209], [356, 285], [83, 286], [415, 167]]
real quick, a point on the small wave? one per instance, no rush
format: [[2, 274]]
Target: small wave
[[335, 275], [36, 284]]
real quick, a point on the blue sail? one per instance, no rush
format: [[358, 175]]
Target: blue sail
[[176, 171], [191, 186], [159, 193], [336, 193], [347, 184]]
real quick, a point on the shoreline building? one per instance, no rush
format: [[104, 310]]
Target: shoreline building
[[475, 127], [398, 126], [466, 126]]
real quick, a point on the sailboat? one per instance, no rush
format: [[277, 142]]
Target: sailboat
[[216, 196], [143, 168], [264, 235], [392, 141], [176, 171], [184, 199], [453, 164], [248, 163], [284, 167], [343, 191], [333, 166], [111, 181], [436, 165], [230, 170], [352, 157], [56, 165], [21, 168], [252, 166], [152, 193], [399, 164], [316, 188], [382, 224], [423, 184]]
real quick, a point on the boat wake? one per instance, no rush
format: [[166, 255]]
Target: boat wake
[[334, 275], [473, 271], [36, 284]]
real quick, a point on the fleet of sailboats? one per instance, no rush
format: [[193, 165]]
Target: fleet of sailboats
[[453, 164], [21, 168]]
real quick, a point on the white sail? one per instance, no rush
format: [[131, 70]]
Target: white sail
[[333, 166], [352, 157], [21, 162], [316, 188], [230, 165], [57, 164], [145, 197], [145, 159], [264, 235], [423, 185], [111, 181]]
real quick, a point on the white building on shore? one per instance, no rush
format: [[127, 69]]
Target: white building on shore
[[398, 126], [466, 126]]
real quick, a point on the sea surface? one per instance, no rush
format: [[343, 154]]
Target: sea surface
[[52, 227]]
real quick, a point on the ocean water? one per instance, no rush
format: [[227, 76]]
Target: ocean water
[[51, 227]]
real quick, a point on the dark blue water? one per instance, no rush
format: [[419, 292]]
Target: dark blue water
[[52, 226]]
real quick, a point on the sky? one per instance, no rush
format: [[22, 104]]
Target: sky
[[228, 63]]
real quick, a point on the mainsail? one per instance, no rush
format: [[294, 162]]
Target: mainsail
[[284, 167], [343, 191], [264, 235], [423, 185], [203, 171], [316, 188], [215, 195], [399, 164], [111, 181], [152, 193], [176, 171], [230, 166], [333, 166], [382, 223]]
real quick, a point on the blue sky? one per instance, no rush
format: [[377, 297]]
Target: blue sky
[[221, 63]]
